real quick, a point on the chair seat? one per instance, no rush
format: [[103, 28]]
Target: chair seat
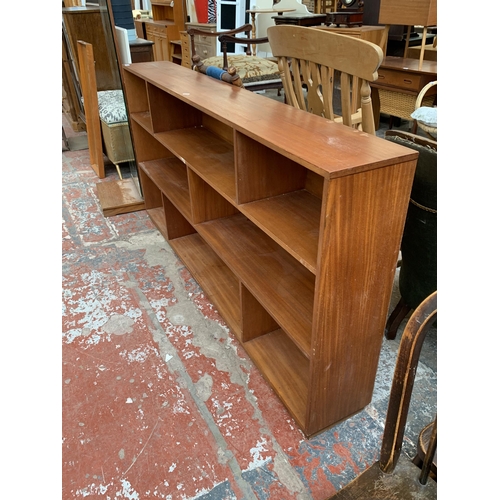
[[111, 106], [249, 68]]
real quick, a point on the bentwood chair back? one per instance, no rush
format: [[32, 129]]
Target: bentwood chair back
[[320, 68], [395, 477]]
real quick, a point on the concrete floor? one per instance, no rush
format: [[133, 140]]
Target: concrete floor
[[159, 399]]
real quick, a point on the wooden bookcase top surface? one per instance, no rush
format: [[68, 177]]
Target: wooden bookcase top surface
[[330, 149]]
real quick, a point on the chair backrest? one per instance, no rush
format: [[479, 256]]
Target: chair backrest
[[192, 32], [311, 58], [404, 376]]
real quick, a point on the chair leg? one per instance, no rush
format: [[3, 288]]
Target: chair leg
[[119, 171], [398, 314]]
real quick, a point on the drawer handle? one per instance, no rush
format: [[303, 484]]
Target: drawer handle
[[381, 77], [409, 82], [205, 52]]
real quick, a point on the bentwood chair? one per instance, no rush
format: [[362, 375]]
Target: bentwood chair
[[394, 477], [326, 73], [256, 73]]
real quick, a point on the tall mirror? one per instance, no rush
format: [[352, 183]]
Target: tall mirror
[[94, 23]]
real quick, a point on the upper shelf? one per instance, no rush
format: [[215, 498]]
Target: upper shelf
[[355, 151]]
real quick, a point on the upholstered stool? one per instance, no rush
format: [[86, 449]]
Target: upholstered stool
[[418, 271], [115, 129], [251, 69]]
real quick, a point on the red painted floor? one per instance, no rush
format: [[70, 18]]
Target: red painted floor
[[159, 399]]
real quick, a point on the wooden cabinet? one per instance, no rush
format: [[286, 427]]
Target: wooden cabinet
[[206, 46], [290, 223], [141, 50], [185, 50], [86, 24], [157, 33], [176, 51], [164, 29]]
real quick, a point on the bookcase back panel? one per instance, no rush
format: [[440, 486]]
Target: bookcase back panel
[[146, 146], [262, 172], [170, 113]]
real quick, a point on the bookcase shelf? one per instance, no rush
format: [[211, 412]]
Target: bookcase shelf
[[290, 223]]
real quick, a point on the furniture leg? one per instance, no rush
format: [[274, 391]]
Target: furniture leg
[[407, 42], [398, 315], [254, 32], [119, 171], [422, 48]]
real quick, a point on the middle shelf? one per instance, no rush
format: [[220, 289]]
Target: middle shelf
[[291, 218]]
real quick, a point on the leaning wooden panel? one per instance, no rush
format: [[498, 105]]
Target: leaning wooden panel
[[93, 122], [359, 247]]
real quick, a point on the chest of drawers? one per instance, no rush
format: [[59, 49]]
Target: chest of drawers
[[206, 46]]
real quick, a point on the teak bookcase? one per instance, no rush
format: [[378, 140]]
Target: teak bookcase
[[290, 223]]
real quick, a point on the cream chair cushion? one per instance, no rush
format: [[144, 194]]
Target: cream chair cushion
[[249, 68], [111, 106]]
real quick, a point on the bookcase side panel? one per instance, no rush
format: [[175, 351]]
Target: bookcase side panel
[[362, 224]]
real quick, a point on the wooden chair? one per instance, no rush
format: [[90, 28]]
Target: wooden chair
[[106, 114], [256, 73], [393, 477], [426, 116], [310, 59]]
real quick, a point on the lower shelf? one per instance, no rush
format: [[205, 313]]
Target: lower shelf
[[285, 368], [274, 278], [214, 277]]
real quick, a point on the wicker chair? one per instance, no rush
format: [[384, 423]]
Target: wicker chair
[[426, 115]]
